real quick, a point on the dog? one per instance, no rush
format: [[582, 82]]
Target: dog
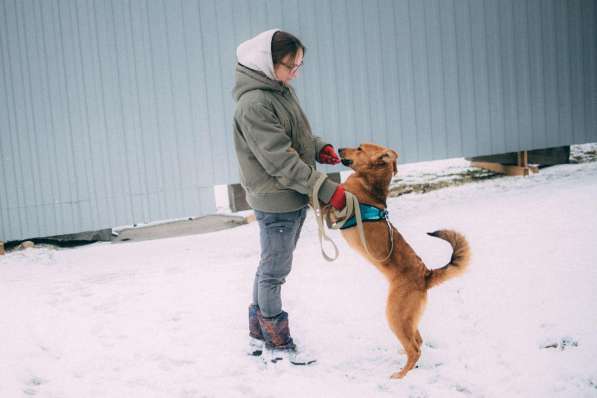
[[408, 277]]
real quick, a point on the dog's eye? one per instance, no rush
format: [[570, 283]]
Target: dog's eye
[[359, 149]]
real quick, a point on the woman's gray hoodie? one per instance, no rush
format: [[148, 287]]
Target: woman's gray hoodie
[[274, 144]]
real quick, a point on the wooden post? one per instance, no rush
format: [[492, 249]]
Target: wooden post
[[1, 248], [523, 159], [236, 198], [334, 176]]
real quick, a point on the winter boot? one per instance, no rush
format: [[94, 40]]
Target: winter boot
[[279, 345], [256, 342], [254, 325]]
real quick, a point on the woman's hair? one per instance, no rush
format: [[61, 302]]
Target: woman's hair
[[284, 43]]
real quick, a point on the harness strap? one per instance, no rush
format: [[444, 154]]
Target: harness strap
[[368, 213], [346, 214]]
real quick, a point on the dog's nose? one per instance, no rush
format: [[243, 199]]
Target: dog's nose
[[340, 151]]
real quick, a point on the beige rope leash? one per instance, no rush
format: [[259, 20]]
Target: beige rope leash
[[352, 207], [319, 217]]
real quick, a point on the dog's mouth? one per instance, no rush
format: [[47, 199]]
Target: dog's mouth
[[346, 162]]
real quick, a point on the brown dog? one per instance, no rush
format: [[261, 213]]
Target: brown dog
[[408, 276]]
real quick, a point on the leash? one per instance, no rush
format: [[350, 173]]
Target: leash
[[352, 207]]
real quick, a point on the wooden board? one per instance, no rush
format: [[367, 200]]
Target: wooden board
[[507, 169]]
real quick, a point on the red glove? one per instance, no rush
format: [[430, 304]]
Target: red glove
[[328, 155], [338, 199]]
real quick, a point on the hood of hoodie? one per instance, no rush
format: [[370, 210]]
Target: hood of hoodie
[[256, 68], [256, 53]]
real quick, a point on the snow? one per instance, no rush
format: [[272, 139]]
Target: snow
[[168, 318]]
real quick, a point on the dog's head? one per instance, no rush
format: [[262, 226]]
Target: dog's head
[[370, 159]]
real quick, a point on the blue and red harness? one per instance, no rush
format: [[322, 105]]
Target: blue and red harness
[[368, 213]]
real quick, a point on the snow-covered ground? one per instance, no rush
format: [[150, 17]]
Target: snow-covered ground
[[168, 318]]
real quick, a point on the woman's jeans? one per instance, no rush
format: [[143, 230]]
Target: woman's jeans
[[278, 234]]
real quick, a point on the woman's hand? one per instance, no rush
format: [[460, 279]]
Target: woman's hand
[[338, 199], [328, 155]]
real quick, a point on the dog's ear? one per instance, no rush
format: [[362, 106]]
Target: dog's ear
[[389, 156], [395, 154]]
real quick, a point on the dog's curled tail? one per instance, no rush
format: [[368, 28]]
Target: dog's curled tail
[[458, 263]]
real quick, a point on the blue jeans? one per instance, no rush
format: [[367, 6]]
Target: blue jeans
[[278, 233]]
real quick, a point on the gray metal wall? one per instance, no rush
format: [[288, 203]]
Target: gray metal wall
[[119, 111], [446, 78]]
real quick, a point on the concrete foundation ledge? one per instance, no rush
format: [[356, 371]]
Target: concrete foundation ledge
[[67, 240], [200, 225]]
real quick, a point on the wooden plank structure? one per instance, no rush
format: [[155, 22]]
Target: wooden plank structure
[[522, 168], [522, 162]]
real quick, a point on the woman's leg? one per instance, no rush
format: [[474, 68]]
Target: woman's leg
[[301, 219], [278, 235]]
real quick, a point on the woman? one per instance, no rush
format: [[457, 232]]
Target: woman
[[276, 152]]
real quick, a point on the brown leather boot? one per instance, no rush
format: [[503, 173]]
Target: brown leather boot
[[254, 327], [275, 332], [256, 341]]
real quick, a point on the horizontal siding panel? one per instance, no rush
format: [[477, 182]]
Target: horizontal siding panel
[[403, 48], [437, 105], [481, 77], [450, 65], [537, 76], [589, 35]]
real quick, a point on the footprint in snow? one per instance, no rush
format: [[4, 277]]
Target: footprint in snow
[[32, 383], [561, 343]]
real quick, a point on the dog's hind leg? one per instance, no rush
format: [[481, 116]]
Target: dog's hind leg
[[404, 312], [419, 339]]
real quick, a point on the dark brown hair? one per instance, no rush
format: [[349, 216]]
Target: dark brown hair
[[283, 43]]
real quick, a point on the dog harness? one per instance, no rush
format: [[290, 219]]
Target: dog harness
[[368, 213]]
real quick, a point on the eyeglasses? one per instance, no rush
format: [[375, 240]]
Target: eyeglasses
[[292, 68]]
